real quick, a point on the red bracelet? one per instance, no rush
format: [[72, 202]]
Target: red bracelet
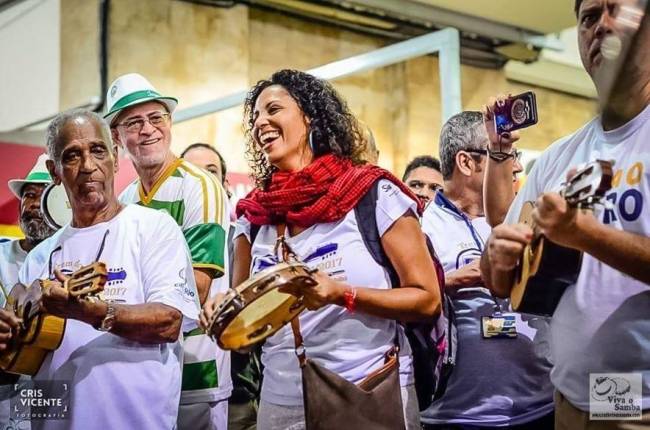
[[350, 295]]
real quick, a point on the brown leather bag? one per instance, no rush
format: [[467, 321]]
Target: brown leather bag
[[332, 402]]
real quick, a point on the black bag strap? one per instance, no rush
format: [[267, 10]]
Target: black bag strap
[[366, 213]]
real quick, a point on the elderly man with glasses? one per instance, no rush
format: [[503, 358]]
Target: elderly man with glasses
[[140, 120]]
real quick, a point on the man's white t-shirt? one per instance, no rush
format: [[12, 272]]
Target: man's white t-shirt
[[601, 324], [116, 383], [349, 344]]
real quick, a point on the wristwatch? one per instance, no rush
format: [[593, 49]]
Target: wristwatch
[[109, 319]]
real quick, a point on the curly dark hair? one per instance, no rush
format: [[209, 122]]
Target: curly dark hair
[[333, 128]]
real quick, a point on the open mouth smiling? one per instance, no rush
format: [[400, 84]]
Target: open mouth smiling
[[267, 138]]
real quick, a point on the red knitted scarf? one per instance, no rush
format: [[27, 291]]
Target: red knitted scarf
[[325, 191]]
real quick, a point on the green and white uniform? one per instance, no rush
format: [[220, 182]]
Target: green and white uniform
[[199, 205]]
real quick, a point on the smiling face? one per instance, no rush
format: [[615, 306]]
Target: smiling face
[[86, 164], [147, 146], [280, 129]]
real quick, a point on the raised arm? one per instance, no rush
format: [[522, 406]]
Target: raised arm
[[498, 191]]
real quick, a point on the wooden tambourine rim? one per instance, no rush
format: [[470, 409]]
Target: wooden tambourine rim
[[217, 330]]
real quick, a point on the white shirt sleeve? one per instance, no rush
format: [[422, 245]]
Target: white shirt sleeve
[[392, 203], [35, 265], [166, 269], [243, 226]]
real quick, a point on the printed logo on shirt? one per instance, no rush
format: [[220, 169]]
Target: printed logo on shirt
[[116, 276], [466, 256], [625, 203], [264, 262], [270, 260], [114, 290], [615, 396], [324, 258], [188, 293], [67, 267], [390, 189]]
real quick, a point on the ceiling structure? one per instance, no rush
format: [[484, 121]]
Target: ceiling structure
[[491, 32], [548, 16]]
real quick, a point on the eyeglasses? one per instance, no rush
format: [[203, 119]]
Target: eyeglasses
[[135, 125], [516, 152]]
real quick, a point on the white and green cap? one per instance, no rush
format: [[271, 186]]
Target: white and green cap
[[38, 175], [132, 89]]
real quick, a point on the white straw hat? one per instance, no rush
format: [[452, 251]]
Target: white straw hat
[[38, 175], [132, 89]]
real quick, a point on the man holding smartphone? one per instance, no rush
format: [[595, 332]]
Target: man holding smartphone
[[599, 331]]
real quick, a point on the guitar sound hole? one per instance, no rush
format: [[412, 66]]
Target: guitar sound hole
[[26, 310]]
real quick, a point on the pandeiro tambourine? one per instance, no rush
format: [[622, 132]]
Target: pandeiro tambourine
[[256, 309], [55, 206]]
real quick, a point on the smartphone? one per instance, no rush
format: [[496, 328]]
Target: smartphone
[[517, 112]]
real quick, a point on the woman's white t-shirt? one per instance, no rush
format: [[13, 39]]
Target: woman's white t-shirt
[[349, 344]]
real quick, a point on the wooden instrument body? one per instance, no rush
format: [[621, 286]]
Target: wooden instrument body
[[255, 309], [42, 333], [546, 269]]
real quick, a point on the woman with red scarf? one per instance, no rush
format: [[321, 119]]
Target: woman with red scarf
[[304, 147]]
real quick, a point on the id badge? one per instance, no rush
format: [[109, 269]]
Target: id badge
[[499, 326]]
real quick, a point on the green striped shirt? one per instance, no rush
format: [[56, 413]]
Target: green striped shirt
[[198, 204]]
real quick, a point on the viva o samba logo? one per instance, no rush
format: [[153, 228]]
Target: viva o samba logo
[[607, 386]]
